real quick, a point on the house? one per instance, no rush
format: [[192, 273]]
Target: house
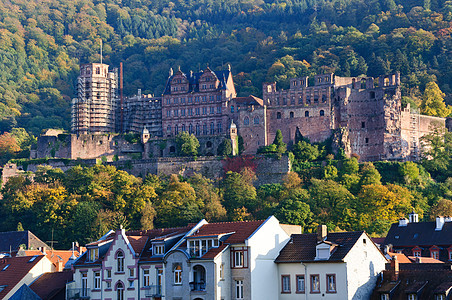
[[59, 258], [230, 260], [413, 281], [421, 239], [17, 271], [11, 241], [112, 267], [322, 265]]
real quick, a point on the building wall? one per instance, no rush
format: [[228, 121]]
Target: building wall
[[177, 291], [364, 263], [223, 290], [265, 245], [252, 124]]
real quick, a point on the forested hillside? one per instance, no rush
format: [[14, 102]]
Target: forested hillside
[[43, 42]]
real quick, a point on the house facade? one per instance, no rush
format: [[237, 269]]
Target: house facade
[[343, 265], [231, 260]]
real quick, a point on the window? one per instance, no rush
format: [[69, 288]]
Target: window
[[5, 267], [219, 110], [434, 254], [232, 109], [440, 297], [239, 289], [330, 283], [292, 100], [291, 115], [108, 275], [119, 291], [300, 283], [322, 113], [363, 124], [131, 272], [108, 285], [417, 253], [315, 284], [256, 120], [450, 254], [190, 99], [182, 112], [120, 261], [367, 140], [211, 98], [278, 115], [159, 276], [306, 113], [204, 110], [159, 249], [284, 101], [197, 111], [239, 257], [176, 112], [190, 111], [285, 284], [222, 272], [212, 110], [412, 297], [384, 297], [168, 113], [220, 127], [146, 277], [300, 100], [204, 98], [97, 280], [131, 284], [178, 275], [212, 128], [84, 283], [246, 121], [204, 129]]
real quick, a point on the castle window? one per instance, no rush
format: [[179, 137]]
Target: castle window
[[278, 115], [190, 99], [232, 109], [211, 98], [98, 95], [372, 95], [172, 149], [219, 127], [218, 97], [219, 110], [292, 101], [190, 128], [198, 129], [322, 113], [363, 124], [204, 98], [168, 113], [256, 120], [291, 115], [182, 112], [246, 121], [204, 86], [308, 99], [190, 111], [197, 111], [204, 129], [168, 129], [323, 98], [197, 99], [367, 140], [300, 100], [209, 144], [306, 113], [363, 83], [284, 100], [176, 100], [212, 128], [183, 127], [176, 129]]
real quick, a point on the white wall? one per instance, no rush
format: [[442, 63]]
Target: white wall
[[265, 246], [364, 263]]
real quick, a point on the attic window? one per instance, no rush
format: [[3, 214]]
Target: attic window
[[33, 258], [6, 267], [2, 287], [159, 249], [364, 241]]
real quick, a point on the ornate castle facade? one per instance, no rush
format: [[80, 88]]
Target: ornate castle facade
[[363, 115]]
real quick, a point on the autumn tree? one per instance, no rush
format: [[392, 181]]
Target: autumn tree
[[187, 144], [433, 102]]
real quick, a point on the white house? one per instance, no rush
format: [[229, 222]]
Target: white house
[[341, 265], [231, 260]]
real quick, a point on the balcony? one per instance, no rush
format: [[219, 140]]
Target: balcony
[[153, 291], [197, 286], [78, 293]]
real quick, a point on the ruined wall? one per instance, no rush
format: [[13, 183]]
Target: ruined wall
[[252, 125]]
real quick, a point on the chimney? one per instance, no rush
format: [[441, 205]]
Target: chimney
[[43, 250], [403, 222], [439, 223], [394, 268], [414, 218], [322, 232], [448, 219]]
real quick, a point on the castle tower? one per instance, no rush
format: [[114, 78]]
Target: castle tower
[[145, 136], [93, 111], [234, 139]]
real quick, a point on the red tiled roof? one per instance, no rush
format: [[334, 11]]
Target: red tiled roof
[[50, 284], [213, 252], [250, 100], [401, 258], [242, 230], [18, 268], [424, 260], [137, 242], [54, 255]]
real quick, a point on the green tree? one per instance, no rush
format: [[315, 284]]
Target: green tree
[[278, 142], [225, 148], [187, 144], [433, 102], [304, 151], [238, 192]]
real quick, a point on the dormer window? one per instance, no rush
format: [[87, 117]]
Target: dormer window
[[93, 254], [198, 248], [323, 251], [159, 249]]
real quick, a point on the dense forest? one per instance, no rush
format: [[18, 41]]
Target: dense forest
[[85, 202], [43, 42]]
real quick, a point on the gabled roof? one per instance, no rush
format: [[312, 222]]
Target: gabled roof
[[302, 247], [53, 255], [11, 240], [250, 100], [48, 285], [193, 79], [239, 231], [16, 271], [419, 234]]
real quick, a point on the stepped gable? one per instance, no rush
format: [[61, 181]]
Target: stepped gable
[[302, 247], [193, 80], [13, 269], [52, 285], [11, 240]]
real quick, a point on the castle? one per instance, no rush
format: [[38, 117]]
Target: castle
[[363, 115]]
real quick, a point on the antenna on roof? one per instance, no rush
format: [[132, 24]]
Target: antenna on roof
[[52, 241]]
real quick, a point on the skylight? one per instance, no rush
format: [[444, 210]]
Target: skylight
[[33, 258], [6, 267]]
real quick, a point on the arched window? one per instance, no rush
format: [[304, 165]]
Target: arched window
[[190, 128], [198, 129], [120, 261], [209, 144], [168, 129], [306, 113], [291, 115], [204, 129], [246, 121], [172, 149], [176, 129], [212, 128], [183, 127], [178, 275], [278, 115], [256, 120], [120, 291], [322, 112]]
